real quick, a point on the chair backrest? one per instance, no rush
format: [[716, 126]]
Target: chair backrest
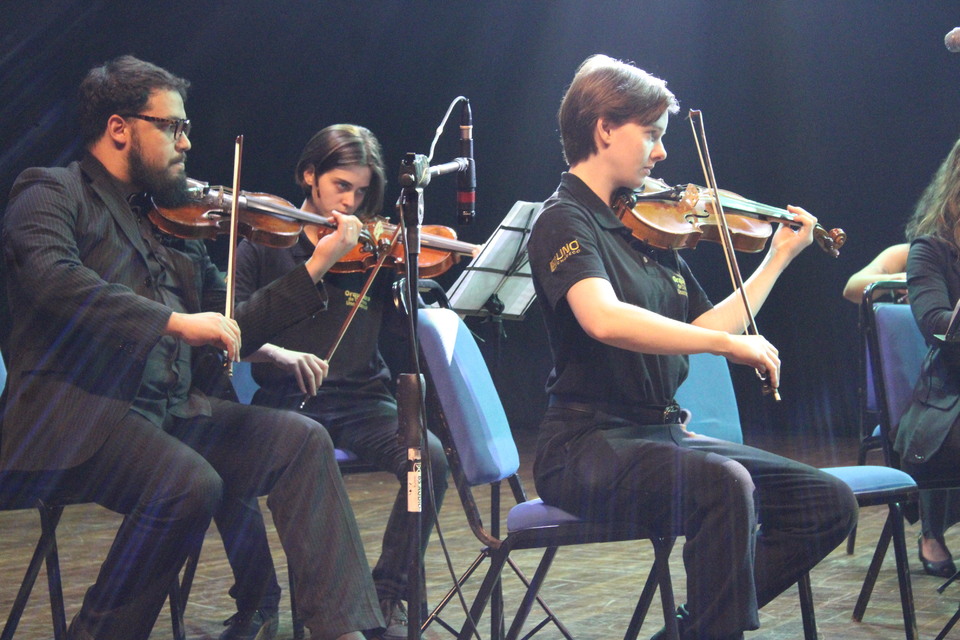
[[708, 395], [471, 408], [897, 350]]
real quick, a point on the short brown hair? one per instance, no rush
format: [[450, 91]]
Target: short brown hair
[[341, 145], [121, 86], [611, 89]]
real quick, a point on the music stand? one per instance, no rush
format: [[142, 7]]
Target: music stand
[[498, 282]]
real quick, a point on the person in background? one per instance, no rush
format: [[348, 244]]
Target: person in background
[[341, 170], [890, 264], [931, 452], [939, 508]]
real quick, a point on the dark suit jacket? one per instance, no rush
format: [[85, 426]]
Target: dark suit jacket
[[933, 283], [83, 317]]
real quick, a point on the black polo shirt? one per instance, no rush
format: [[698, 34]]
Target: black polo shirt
[[357, 360], [578, 236]]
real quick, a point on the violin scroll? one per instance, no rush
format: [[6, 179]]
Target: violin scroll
[[830, 241]]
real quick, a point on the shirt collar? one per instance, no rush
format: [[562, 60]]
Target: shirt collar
[[583, 194]]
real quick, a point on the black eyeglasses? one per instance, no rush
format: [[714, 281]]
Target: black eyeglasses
[[176, 125]]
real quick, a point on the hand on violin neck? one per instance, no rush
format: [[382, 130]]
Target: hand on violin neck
[[788, 242], [332, 244]]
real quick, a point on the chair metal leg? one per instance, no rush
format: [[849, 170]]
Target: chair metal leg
[[807, 612], [851, 541], [659, 576], [44, 551], [498, 559], [434, 615], [49, 519], [551, 616], [903, 571], [892, 531], [298, 627], [530, 595], [873, 570], [952, 621], [180, 594]]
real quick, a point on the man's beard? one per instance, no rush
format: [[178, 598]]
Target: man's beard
[[166, 190]]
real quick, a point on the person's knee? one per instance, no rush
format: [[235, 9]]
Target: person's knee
[[730, 485], [199, 492], [840, 508], [314, 438]]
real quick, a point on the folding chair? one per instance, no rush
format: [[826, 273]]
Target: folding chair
[[872, 485], [464, 409]]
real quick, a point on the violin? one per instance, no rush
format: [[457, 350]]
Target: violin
[[439, 251], [261, 218], [679, 217]]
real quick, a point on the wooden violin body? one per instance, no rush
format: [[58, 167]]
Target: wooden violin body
[[679, 217], [439, 250], [262, 218]]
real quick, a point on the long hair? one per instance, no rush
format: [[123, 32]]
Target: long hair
[[938, 210], [121, 86], [611, 89], [341, 145]]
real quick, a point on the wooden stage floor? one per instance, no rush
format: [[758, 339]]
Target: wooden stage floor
[[593, 588]]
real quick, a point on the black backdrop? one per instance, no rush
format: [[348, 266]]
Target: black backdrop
[[843, 107]]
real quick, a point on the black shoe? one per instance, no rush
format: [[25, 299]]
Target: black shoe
[[683, 616], [940, 568], [683, 623], [251, 625], [395, 615]]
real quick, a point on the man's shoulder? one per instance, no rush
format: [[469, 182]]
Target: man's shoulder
[[50, 176]]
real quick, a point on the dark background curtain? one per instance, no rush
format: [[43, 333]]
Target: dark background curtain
[[845, 108]]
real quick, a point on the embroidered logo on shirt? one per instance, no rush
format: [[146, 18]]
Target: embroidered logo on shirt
[[352, 299], [680, 283], [570, 249]]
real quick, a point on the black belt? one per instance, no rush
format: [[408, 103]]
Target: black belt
[[641, 414]]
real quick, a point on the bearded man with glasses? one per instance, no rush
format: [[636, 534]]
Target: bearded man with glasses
[[102, 404]]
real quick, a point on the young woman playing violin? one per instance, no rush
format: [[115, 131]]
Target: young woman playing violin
[[621, 318], [341, 169]]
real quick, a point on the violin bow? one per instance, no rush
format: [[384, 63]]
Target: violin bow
[[384, 254], [232, 249], [726, 240]]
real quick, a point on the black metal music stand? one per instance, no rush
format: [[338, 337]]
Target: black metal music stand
[[498, 283]]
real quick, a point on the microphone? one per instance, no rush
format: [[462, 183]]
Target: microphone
[[467, 177], [952, 40]]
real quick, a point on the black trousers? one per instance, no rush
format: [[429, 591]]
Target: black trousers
[[169, 485], [754, 522]]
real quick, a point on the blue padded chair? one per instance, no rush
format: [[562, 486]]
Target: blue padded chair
[[872, 485], [870, 431], [464, 410]]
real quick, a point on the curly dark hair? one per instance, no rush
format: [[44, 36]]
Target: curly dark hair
[[938, 210], [119, 86]]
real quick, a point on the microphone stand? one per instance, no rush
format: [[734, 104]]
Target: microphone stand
[[410, 391], [415, 175]]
